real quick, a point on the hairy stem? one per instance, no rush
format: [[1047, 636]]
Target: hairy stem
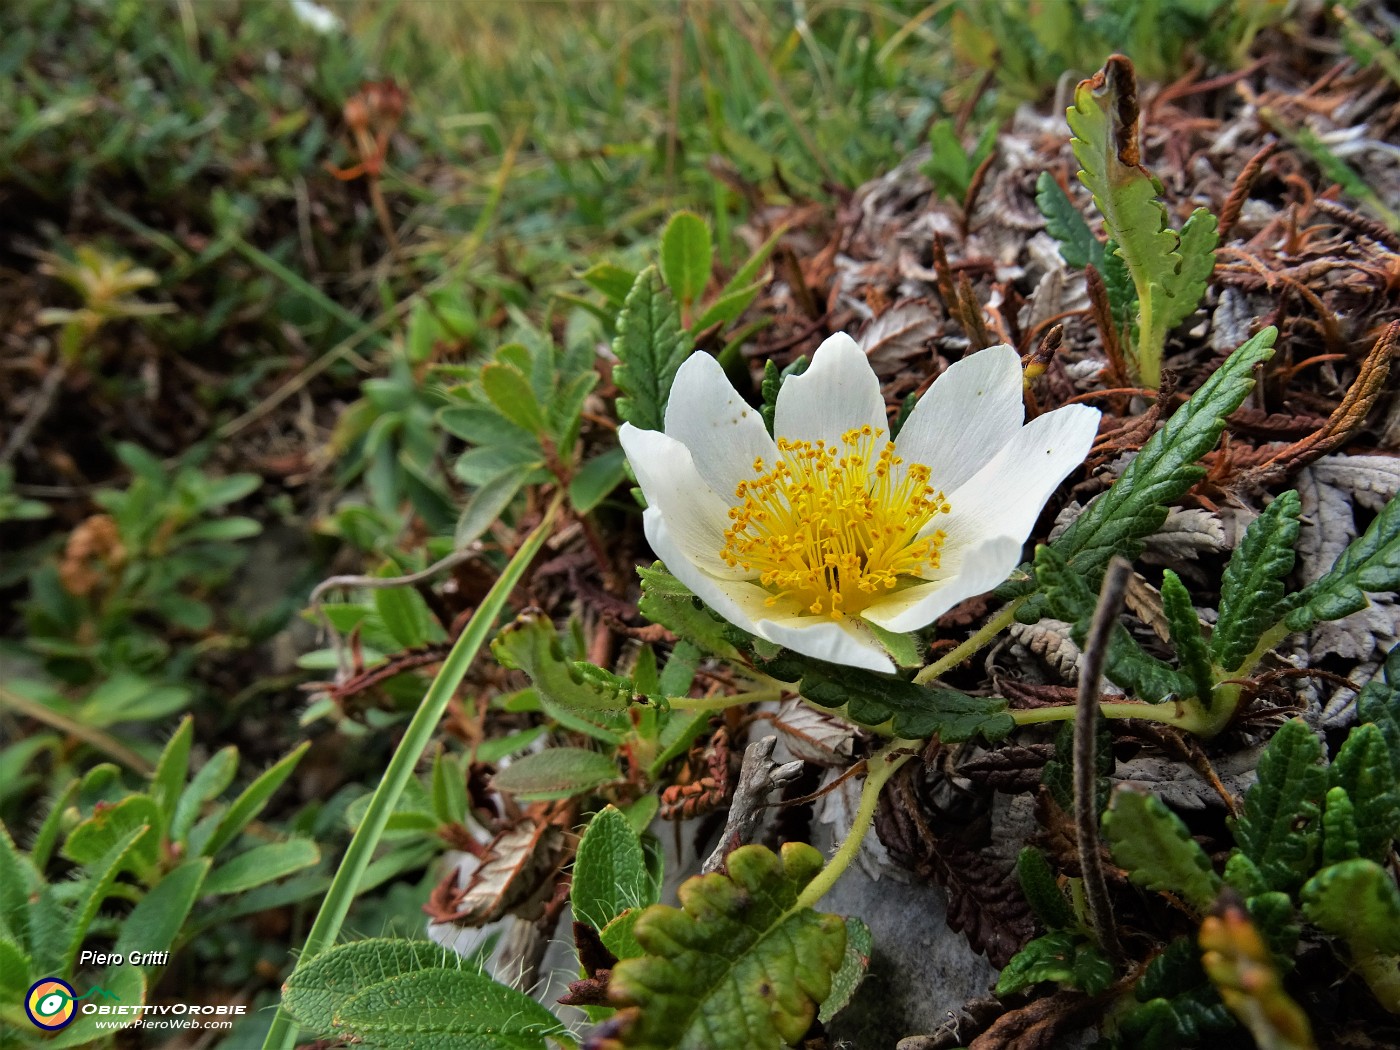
[[1179, 713], [1086, 811], [282, 1034], [719, 703], [880, 767], [980, 640]]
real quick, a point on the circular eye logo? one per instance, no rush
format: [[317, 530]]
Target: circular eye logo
[[49, 1004]]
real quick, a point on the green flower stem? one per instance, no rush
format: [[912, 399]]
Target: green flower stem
[[1180, 713], [719, 703], [282, 1034], [880, 767], [988, 631]]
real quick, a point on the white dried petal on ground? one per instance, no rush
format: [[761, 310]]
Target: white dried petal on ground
[[901, 332], [1371, 480], [1231, 322], [814, 736], [1328, 491], [1049, 639], [1145, 602], [1180, 786], [837, 808], [1187, 533]]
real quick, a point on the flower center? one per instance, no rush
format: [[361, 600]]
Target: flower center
[[831, 529]]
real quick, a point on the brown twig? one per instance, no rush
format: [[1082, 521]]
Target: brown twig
[[757, 778], [1239, 192], [1345, 420], [1086, 716]]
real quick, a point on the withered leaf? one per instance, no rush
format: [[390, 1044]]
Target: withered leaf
[[518, 862]]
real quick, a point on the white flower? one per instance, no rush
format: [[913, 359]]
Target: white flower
[[808, 539]]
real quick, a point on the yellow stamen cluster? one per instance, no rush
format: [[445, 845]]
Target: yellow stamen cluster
[[828, 530]]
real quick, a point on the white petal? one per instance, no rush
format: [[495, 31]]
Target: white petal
[[723, 433], [1006, 496], [836, 641], [839, 391], [981, 567], [970, 412], [740, 602], [695, 515]]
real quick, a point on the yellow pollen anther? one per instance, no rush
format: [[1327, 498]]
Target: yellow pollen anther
[[829, 530]]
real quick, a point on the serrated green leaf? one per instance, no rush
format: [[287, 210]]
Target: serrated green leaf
[[610, 279], [158, 917], [610, 873], [1273, 916], [1244, 876], [573, 692], [556, 772], [650, 346], [1370, 563], [1070, 598], [1339, 836], [1358, 901], [1061, 956], [316, 991], [1104, 122], [1119, 521], [1177, 970], [1156, 848], [1252, 589], [912, 711], [101, 876], [1191, 647], [1169, 1024], [510, 391], [1363, 769], [262, 864], [250, 803], [1278, 826], [1199, 236], [1064, 222], [1379, 703], [1042, 891], [855, 964], [445, 1009], [596, 478], [738, 964], [95, 836], [667, 601]]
